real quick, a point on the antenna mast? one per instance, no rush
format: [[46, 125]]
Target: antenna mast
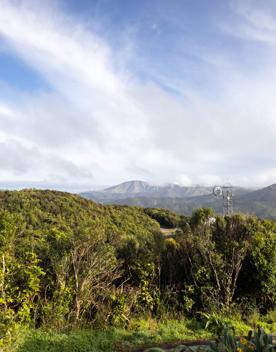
[[226, 192]]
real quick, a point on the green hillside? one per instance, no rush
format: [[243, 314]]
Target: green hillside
[[44, 210], [60, 255], [68, 263]]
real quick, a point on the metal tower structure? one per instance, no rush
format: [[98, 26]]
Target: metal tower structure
[[226, 192]]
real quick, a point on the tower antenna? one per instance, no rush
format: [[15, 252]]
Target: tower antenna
[[226, 192]]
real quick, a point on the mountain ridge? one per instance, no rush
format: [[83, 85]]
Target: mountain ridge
[[144, 189], [181, 199]]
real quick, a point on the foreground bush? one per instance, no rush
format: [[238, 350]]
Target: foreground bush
[[67, 263]]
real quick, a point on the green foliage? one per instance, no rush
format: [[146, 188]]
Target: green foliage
[[271, 316], [58, 255], [264, 258], [164, 217], [139, 335], [76, 341], [67, 262], [211, 251], [148, 297], [214, 322], [256, 282], [121, 305]]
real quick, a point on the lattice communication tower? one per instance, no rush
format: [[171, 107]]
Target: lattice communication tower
[[226, 192]]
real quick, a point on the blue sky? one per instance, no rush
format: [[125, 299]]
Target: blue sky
[[99, 92]]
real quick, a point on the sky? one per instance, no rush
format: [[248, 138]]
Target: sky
[[98, 92]]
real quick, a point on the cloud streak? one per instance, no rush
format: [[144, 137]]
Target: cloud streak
[[100, 123]]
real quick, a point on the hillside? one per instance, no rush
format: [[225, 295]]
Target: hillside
[[62, 254], [67, 262], [261, 202], [184, 200], [130, 187], [53, 213], [134, 189], [47, 210], [179, 205]]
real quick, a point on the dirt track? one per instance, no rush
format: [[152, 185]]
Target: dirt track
[[169, 346]]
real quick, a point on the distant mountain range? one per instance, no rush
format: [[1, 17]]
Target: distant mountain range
[[261, 202], [137, 189]]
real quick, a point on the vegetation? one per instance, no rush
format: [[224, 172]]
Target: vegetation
[[72, 265], [140, 335], [257, 341], [165, 218]]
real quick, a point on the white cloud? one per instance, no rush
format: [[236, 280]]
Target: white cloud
[[210, 180], [98, 125], [258, 20], [6, 112], [89, 115], [183, 180]]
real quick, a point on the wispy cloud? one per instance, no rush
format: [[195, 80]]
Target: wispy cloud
[[100, 123], [89, 118]]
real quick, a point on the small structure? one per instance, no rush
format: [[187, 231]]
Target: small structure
[[226, 192]]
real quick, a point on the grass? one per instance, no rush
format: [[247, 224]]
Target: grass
[[85, 340], [140, 333]]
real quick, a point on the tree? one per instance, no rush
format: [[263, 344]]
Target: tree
[[215, 248]]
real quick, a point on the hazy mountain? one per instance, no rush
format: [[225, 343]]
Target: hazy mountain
[[261, 202], [136, 189], [130, 187]]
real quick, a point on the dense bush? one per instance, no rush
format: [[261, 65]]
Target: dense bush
[[164, 217], [59, 257], [66, 261]]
